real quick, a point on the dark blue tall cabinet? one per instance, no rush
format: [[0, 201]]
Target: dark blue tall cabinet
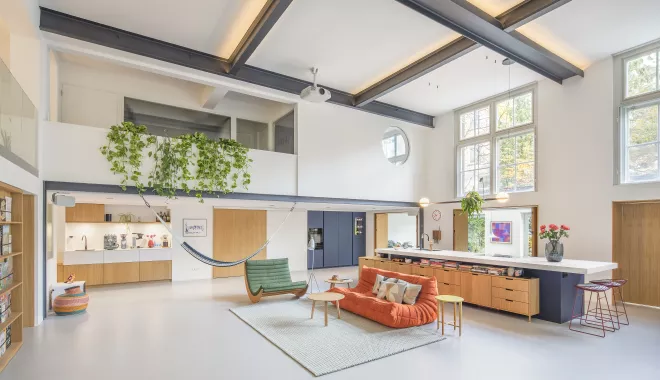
[[341, 246]]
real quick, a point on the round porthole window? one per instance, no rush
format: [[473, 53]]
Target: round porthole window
[[395, 145]]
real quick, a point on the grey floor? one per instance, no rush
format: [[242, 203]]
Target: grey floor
[[185, 331]]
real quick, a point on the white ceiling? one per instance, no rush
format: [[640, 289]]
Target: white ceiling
[[353, 43], [357, 43], [131, 199], [475, 76], [212, 26], [586, 31]]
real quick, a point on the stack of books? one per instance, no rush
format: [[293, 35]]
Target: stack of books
[[437, 262], [495, 271], [424, 262], [479, 269], [450, 264], [465, 267]]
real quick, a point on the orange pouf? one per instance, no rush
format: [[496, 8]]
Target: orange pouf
[[360, 300], [73, 301]]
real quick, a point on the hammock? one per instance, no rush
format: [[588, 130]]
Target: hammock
[[205, 259]]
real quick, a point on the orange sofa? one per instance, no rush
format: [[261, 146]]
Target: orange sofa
[[360, 300]]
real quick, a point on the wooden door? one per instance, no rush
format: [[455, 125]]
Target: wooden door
[[636, 248], [460, 231], [381, 231], [237, 234]]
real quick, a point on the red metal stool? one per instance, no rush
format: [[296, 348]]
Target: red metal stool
[[617, 288], [599, 319]]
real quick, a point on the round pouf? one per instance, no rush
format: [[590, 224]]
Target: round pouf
[[73, 301]]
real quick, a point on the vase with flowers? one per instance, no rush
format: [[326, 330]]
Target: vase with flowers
[[554, 248]]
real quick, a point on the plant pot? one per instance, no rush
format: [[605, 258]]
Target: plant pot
[[554, 251]]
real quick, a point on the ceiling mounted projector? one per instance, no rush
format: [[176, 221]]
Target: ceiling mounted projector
[[315, 93]]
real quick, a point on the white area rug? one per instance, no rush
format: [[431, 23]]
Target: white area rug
[[344, 343]]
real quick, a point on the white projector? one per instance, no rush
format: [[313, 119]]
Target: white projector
[[315, 93]]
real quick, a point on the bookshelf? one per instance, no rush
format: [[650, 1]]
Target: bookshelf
[[14, 287]]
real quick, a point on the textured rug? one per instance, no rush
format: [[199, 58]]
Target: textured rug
[[344, 343]]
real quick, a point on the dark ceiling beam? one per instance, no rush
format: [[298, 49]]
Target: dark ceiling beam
[[458, 16], [270, 13], [85, 30], [507, 21]]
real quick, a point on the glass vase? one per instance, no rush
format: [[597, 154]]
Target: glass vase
[[554, 251]]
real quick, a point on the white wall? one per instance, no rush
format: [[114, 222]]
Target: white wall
[[291, 240], [402, 228], [184, 266], [340, 155], [575, 165]]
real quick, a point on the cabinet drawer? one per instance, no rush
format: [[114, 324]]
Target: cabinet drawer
[[510, 294], [402, 268], [425, 271], [449, 289], [448, 276], [511, 306], [511, 283]]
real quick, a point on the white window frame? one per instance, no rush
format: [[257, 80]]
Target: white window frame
[[623, 104], [494, 135]]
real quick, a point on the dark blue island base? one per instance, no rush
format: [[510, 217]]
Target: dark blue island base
[[556, 294]]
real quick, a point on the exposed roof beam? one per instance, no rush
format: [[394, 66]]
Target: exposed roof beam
[[270, 13], [211, 96], [507, 21], [458, 15], [85, 30]]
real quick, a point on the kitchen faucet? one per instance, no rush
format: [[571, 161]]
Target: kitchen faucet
[[85, 239], [427, 239]]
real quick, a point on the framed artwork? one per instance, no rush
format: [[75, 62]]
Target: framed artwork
[[500, 232], [194, 227]]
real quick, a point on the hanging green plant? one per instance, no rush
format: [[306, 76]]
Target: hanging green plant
[[472, 203], [191, 162]]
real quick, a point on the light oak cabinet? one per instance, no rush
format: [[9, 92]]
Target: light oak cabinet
[[155, 270], [121, 273], [85, 212], [92, 274], [516, 295], [476, 288]]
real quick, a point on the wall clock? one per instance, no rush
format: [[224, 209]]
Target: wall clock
[[436, 215]]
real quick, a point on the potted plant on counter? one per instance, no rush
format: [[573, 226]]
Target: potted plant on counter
[[554, 248]]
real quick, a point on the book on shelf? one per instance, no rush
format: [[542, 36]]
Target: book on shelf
[[5, 209]]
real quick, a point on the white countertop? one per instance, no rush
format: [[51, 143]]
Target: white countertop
[[116, 256], [539, 263]]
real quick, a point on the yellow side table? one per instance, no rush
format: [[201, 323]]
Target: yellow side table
[[457, 301]]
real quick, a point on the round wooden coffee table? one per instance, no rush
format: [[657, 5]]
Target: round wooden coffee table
[[326, 297], [333, 283]]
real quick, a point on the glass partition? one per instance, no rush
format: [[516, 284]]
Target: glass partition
[[18, 123]]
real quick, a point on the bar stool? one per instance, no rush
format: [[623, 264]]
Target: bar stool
[[599, 319], [617, 287], [457, 301]]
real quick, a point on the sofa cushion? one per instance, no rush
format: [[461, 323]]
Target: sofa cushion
[[411, 292], [379, 279]]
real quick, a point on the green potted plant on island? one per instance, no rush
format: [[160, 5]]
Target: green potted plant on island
[[554, 248], [472, 203]]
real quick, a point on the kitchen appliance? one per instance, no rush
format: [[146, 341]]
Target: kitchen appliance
[[124, 243], [166, 243], [110, 242]]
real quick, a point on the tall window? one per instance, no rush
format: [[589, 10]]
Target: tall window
[[637, 92], [500, 155]]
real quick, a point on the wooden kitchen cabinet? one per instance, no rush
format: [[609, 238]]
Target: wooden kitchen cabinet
[[476, 288], [92, 274], [155, 270], [85, 212], [120, 273]]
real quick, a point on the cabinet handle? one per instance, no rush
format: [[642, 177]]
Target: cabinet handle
[[474, 274], [446, 283], [509, 290], [508, 300], [508, 279]]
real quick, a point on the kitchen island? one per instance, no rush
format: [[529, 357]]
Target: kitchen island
[[556, 280], [117, 266]]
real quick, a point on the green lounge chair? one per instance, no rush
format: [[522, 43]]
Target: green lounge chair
[[271, 277]]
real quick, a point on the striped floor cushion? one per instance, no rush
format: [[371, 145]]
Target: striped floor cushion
[[73, 301]]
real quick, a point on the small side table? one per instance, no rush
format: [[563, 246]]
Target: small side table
[[333, 283], [326, 297], [457, 301]]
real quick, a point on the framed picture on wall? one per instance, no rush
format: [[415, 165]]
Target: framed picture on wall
[[194, 227], [500, 232]]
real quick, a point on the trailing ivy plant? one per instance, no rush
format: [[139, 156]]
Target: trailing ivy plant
[[472, 203], [191, 162]]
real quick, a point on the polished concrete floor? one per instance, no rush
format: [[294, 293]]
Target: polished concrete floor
[[177, 331]]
